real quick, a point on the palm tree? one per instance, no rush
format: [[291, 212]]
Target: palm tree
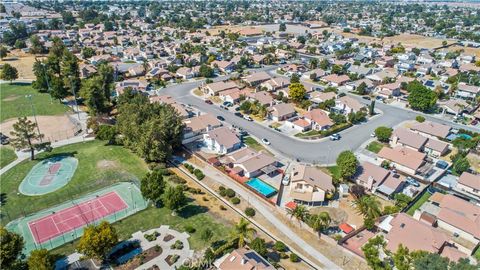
[[368, 206], [300, 212], [242, 232], [320, 222]]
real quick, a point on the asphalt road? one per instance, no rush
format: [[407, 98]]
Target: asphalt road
[[322, 152]]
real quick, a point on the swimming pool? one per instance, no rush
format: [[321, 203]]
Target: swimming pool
[[262, 187]]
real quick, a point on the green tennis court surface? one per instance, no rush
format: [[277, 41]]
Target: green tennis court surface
[[49, 175], [58, 225]]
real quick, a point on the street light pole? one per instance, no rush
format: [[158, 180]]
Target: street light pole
[[75, 98], [48, 84], [34, 116]]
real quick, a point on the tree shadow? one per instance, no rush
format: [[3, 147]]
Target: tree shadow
[[192, 210], [57, 156], [3, 198], [20, 83]]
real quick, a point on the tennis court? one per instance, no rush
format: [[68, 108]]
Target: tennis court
[[76, 216], [48, 175], [58, 225]]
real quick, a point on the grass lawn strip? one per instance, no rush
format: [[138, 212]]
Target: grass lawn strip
[[419, 203], [13, 102], [374, 147], [7, 156]]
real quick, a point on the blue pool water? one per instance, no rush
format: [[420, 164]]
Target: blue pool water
[[262, 187]]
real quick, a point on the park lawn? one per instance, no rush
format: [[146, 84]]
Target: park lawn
[[13, 102], [419, 203], [153, 217], [374, 147], [99, 166], [7, 155]]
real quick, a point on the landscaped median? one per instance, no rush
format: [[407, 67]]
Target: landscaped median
[[318, 134]]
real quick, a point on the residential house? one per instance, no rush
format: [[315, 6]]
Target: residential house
[[135, 85], [346, 105], [233, 95], [455, 215], [310, 185], [319, 97], [187, 73], [257, 78], [317, 74], [249, 163], [404, 159], [335, 80], [470, 184], [379, 180], [455, 106], [221, 140], [243, 259], [432, 129], [352, 86], [276, 83], [465, 91], [262, 97], [224, 66], [213, 89], [416, 235], [166, 99], [195, 127], [318, 119], [282, 111]]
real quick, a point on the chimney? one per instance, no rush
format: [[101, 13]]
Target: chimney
[[244, 261]]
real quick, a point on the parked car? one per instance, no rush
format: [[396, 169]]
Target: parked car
[[412, 182], [335, 137], [373, 135], [442, 164], [4, 139], [247, 117], [219, 117], [223, 107], [474, 122], [239, 114], [367, 97], [227, 104], [286, 180], [208, 101], [265, 141]]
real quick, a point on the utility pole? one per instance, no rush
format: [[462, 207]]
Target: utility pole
[[29, 97]]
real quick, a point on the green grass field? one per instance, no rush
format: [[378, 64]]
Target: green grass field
[[98, 166], [13, 102], [374, 147], [7, 155], [419, 203], [251, 142], [334, 172]]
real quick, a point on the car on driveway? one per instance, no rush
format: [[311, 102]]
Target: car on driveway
[[286, 180], [219, 117], [208, 101], [335, 137], [265, 141], [412, 182], [4, 139], [227, 104]]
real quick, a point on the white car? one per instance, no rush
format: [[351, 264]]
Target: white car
[[373, 135], [286, 180], [247, 117], [335, 137], [265, 141]]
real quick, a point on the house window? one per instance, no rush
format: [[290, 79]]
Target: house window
[[299, 186]]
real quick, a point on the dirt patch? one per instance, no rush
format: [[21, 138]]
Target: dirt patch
[[337, 215], [474, 161], [11, 98], [55, 128], [107, 164], [23, 62]]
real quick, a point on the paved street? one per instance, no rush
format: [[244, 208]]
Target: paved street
[[322, 152]]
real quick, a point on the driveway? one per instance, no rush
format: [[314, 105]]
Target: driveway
[[322, 152]]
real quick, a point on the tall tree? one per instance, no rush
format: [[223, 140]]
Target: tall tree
[[8, 73], [153, 186], [97, 241], [25, 136], [94, 95], [174, 198], [40, 259], [297, 92], [106, 74], [372, 250], [402, 258], [368, 206], [242, 232], [258, 244], [420, 97], [320, 222], [11, 245], [347, 163], [70, 71], [3, 52], [300, 212]]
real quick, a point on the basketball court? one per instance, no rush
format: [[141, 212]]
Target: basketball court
[[48, 175]]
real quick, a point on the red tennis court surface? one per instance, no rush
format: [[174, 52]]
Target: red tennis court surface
[[76, 216]]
